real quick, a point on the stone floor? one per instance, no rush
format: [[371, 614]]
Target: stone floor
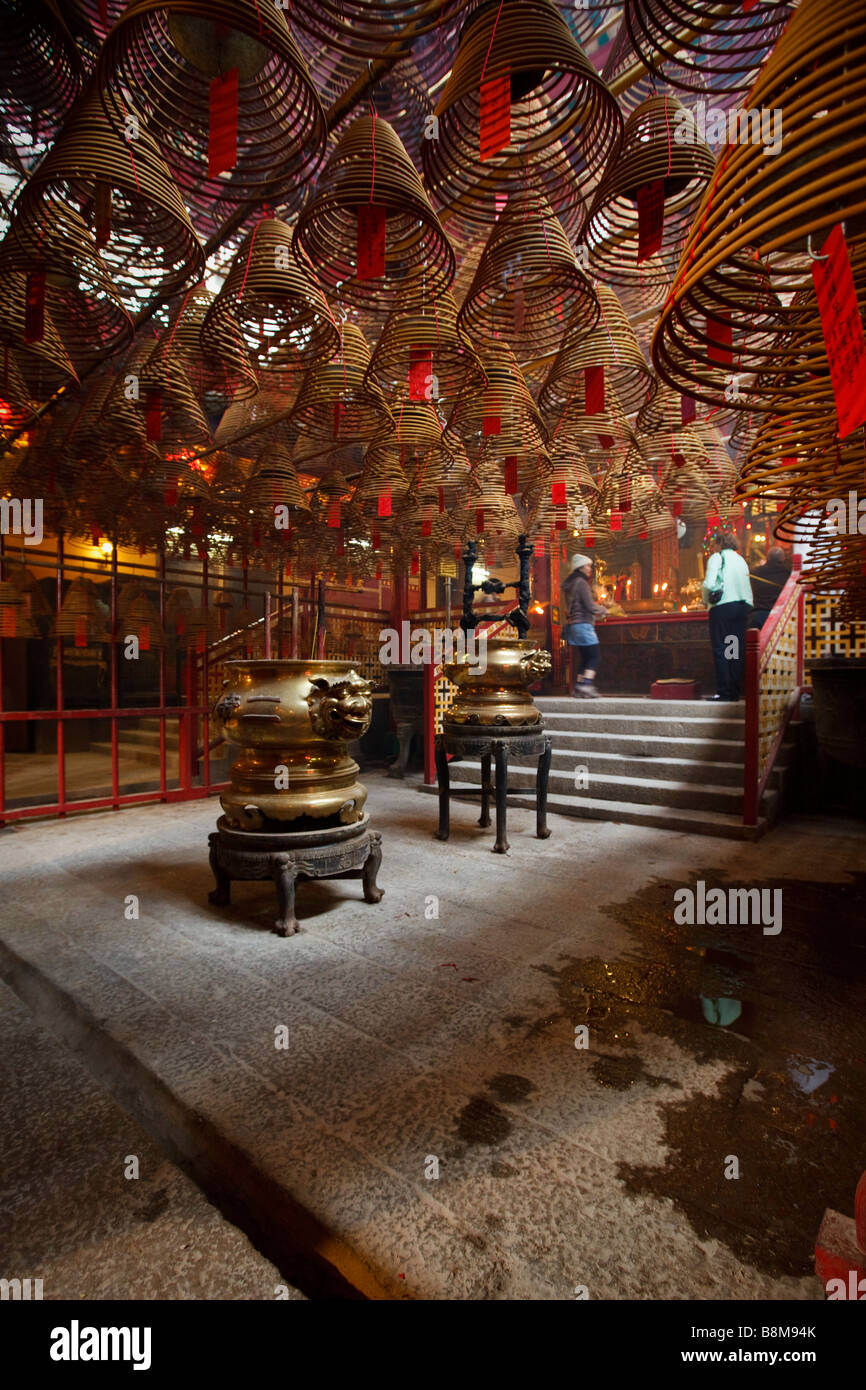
[[434, 1033]]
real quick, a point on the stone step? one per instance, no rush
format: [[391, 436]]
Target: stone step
[[592, 715], [615, 786], [638, 704], [710, 749], [137, 752], [565, 760], [703, 822]]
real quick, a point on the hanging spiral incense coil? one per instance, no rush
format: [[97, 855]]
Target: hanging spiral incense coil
[[368, 26], [399, 97], [123, 190], [643, 206], [141, 620], [271, 294], [426, 350], [502, 415], [213, 377], [557, 102], [492, 511], [274, 483], [337, 401], [528, 287], [561, 500], [612, 346], [73, 283], [756, 199], [82, 615], [693, 44], [244, 428], [40, 71], [370, 169], [42, 366], [382, 486], [170, 54], [602, 436]]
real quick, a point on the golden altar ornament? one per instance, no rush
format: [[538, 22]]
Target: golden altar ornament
[[492, 686]]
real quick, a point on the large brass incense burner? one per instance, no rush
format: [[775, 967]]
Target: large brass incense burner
[[292, 720], [493, 685]]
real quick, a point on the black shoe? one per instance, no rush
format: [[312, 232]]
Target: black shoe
[[717, 697]]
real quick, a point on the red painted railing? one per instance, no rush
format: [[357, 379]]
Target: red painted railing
[[773, 687]]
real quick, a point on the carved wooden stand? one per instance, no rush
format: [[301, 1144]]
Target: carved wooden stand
[[345, 851], [493, 743]]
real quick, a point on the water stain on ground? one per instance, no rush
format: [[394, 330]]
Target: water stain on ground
[[509, 1087], [482, 1122], [787, 1014]]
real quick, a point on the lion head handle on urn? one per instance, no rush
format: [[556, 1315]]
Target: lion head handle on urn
[[535, 665], [340, 709]]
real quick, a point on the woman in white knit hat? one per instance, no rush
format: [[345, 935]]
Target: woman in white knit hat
[[581, 613]]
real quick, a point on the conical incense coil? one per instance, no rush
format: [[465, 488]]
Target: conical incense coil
[[272, 296], [612, 347], [370, 231], [82, 615], [528, 288], [520, 86], [68, 279], [227, 372], [502, 415], [42, 364], [756, 199], [248, 423], [141, 620], [693, 45], [425, 350], [123, 190], [337, 400], [274, 483], [597, 425], [369, 26], [40, 73], [643, 206], [223, 87]]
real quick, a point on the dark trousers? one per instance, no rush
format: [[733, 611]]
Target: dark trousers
[[583, 659], [729, 620]]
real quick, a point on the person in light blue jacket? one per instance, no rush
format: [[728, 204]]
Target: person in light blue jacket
[[728, 572]]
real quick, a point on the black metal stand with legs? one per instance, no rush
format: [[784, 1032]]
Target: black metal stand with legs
[[493, 747]]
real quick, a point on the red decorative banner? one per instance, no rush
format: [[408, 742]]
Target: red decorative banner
[[688, 409], [511, 475], [370, 264], [384, 507], [650, 218], [153, 416], [34, 307], [102, 214], [420, 374], [495, 132], [222, 143], [593, 391], [843, 331], [719, 348], [557, 494]]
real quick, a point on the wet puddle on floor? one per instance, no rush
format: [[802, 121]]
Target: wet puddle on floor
[[787, 1013]]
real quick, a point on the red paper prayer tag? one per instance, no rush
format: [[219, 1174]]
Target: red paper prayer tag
[[479, 520], [495, 132], [561, 523], [441, 497], [491, 424], [677, 508], [144, 637], [171, 491], [557, 494], [81, 632], [511, 476], [789, 461], [843, 331], [719, 347], [34, 307], [427, 524], [650, 218], [222, 144], [688, 409], [375, 540], [593, 386], [415, 564], [102, 214], [153, 416], [539, 549], [749, 5], [643, 535], [420, 374], [678, 460], [8, 624], [334, 512], [370, 263], [201, 641], [713, 519], [384, 507], [339, 413], [605, 441], [615, 521], [589, 540]]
